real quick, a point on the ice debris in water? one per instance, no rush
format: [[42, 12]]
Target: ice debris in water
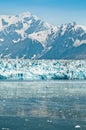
[[49, 121], [20, 69], [5, 128], [77, 126]]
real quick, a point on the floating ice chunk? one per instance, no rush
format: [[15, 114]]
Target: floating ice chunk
[[1, 39], [49, 121], [77, 126], [5, 128]]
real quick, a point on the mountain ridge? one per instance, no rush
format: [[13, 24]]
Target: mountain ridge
[[27, 36]]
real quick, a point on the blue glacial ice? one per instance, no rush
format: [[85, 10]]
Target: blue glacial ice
[[42, 69]]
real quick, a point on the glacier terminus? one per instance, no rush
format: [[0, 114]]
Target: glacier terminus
[[21, 69]]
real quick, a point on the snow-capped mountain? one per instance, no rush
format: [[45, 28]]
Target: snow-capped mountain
[[23, 36], [69, 43], [26, 36]]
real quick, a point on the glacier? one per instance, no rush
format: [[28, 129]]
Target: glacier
[[30, 70]]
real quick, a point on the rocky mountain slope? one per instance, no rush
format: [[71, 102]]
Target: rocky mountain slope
[[26, 36]]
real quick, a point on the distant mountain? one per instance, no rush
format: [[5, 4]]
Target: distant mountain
[[26, 36], [69, 43]]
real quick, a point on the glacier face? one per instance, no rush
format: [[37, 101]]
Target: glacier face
[[42, 69]]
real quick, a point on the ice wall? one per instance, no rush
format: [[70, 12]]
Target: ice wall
[[42, 69]]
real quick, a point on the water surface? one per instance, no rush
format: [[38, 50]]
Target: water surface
[[50, 105]]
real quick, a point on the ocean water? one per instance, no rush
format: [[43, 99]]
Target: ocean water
[[43, 105]]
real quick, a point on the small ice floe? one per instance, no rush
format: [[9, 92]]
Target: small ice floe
[[5, 128], [26, 120], [4, 100], [77, 126], [49, 121]]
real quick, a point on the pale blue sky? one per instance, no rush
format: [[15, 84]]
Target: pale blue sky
[[53, 11]]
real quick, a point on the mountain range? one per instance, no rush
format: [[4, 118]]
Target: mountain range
[[28, 37]]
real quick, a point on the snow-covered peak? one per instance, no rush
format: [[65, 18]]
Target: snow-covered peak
[[80, 26], [26, 25], [24, 15], [35, 17], [7, 20], [72, 26], [26, 35]]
